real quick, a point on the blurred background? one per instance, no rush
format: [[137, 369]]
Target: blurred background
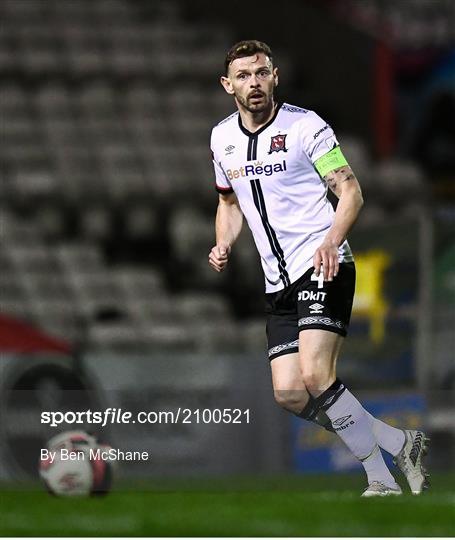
[[107, 217]]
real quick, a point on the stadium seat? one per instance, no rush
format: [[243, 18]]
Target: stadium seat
[[35, 183], [23, 11], [253, 335], [32, 258], [53, 100], [78, 257], [8, 53], [47, 284], [85, 54], [357, 155], [190, 230], [17, 233], [39, 50], [95, 223], [399, 176], [216, 337], [58, 317], [147, 311], [141, 220], [171, 337], [96, 293], [50, 220], [113, 10], [203, 307], [140, 283], [115, 335], [13, 300]]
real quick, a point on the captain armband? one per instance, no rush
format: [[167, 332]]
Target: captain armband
[[330, 161]]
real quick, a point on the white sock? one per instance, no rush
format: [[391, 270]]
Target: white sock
[[373, 464], [353, 426], [389, 438]]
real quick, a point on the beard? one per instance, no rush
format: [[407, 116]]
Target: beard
[[255, 107]]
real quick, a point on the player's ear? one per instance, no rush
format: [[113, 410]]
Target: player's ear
[[275, 76], [226, 84]]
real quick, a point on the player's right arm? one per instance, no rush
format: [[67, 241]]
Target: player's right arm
[[228, 224], [322, 148]]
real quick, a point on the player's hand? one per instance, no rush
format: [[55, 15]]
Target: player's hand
[[218, 257], [326, 256]]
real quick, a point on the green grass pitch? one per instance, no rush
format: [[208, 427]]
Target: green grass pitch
[[271, 506]]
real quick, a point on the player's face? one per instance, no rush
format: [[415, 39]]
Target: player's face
[[252, 80]]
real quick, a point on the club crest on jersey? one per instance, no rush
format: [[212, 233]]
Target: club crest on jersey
[[278, 143]]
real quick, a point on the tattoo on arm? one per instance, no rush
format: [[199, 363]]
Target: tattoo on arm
[[345, 175], [331, 181], [337, 177]]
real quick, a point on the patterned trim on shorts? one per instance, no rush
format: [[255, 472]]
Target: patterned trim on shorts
[[326, 321], [283, 347]]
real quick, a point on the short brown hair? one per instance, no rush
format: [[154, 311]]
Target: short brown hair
[[246, 48]]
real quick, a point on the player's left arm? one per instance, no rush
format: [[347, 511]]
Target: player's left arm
[[344, 184]]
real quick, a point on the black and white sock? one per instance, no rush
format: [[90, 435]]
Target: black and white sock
[[351, 423], [389, 438]]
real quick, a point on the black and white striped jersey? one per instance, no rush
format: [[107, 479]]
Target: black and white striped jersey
[[282, 196]]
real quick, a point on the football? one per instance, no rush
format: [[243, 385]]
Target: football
[[70, 465]]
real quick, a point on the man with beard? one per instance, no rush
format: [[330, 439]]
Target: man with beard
[[274, 164]]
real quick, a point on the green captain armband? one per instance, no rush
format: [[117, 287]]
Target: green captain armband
[[330, 161]]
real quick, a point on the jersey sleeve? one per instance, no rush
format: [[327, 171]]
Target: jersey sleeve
[[222, 184], [321, 145]]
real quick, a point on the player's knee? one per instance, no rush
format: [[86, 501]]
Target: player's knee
[[291, 400], [317, 381]]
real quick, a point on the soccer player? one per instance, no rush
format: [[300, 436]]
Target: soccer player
[[274, 163]]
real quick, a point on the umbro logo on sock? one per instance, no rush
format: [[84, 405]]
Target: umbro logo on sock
[[338, 423], [341, 421]]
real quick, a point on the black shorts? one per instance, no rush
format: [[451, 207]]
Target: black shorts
[[308, 304]]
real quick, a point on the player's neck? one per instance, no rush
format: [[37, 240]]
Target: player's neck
[[254, 121]]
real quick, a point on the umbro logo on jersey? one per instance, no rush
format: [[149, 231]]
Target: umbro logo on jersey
[[278, 143], [316, 308], [229, 149]]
